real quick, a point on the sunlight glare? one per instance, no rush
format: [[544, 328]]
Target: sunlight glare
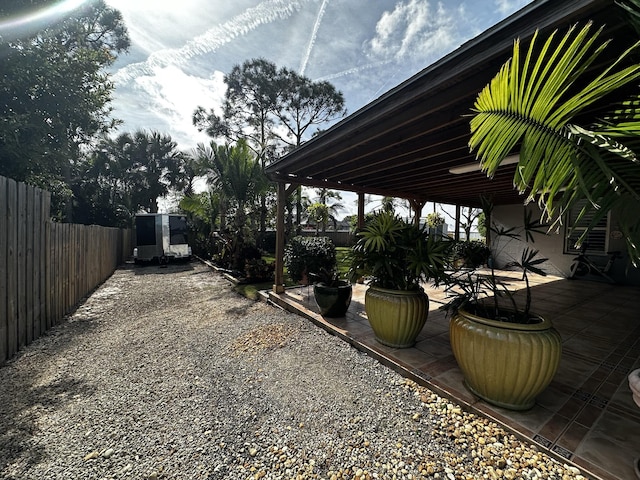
[[43, 15]]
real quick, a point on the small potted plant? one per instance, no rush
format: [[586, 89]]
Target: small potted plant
[[507, 353], [397, 256], [332, 295]]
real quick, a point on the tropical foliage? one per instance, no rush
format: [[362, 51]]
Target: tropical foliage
[[231, 207], [486, 295], [55, 92], [235, 173], [396, 254], [325, 209], [202, 210], [125, 175], [575, 122]]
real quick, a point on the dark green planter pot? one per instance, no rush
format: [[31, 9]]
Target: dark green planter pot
[[506, 364], [333, 301], [396, 316]]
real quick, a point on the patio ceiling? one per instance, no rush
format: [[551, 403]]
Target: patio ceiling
[[405, 143]]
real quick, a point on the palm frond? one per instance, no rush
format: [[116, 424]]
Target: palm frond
[[533, 104]]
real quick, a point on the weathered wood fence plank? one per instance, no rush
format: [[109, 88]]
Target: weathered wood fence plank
[[12, 267], [4, 316], [46, 268]]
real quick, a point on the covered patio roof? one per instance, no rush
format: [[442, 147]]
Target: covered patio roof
[[405, 143]]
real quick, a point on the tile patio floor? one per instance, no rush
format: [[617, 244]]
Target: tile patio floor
[[586, 415]]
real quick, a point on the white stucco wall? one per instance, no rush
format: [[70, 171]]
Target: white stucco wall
[[551, 246], [506, 249]]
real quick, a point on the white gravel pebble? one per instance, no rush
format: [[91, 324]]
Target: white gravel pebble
[[166, 373]]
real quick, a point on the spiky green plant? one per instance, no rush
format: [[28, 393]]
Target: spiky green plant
[[541, 105]]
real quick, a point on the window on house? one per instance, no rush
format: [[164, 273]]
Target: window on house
[[597, 240]]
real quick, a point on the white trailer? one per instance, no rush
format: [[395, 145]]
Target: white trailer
[[161, 237]]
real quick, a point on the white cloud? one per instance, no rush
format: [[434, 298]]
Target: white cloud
[[415, 29], [507, 7], [171, 96]]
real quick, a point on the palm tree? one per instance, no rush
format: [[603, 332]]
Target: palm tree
[[387, 204], [202, 210], [236, 174], [332, 209], [577, 128], [235, 171]]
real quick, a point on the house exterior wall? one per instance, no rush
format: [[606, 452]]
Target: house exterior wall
[[552, 245]]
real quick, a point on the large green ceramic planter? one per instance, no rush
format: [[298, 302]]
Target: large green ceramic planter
[[506, 364], [333, 301], [396, 316]]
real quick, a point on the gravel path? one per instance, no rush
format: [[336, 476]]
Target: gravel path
[[167, 373]]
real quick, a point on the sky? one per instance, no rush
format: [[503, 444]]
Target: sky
[[181, 50]]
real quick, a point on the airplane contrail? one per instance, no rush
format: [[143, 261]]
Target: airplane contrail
[[312, 40], [266, 12], [352, 71]]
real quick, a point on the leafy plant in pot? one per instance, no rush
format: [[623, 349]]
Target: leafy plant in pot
[[508, 355], [332, 295], [397, 256]]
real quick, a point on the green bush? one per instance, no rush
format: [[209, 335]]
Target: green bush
[[258, 270], [305, 255], [473, 253]]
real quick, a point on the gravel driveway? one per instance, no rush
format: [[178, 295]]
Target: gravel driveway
[[167, 373]]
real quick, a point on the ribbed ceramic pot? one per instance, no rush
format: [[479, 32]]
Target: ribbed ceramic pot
[[333, 301], [396, 316], [506, 364]]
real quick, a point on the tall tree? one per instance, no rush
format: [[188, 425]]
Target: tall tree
[[303, 104], [155, 165], [273, 109], [128, 174], [248, 110], [103, 191], [54, 92]]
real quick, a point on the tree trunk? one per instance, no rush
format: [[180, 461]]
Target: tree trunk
[[263, 215]]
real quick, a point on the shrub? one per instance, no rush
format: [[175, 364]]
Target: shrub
[[474, 253], [304, 255], [258, 270]]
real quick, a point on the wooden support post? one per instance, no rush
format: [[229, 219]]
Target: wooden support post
[[283, 192], [360, 210], [278, 286], [457, 233]]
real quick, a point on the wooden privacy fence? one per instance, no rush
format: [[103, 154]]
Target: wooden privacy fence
[[46, 268]]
